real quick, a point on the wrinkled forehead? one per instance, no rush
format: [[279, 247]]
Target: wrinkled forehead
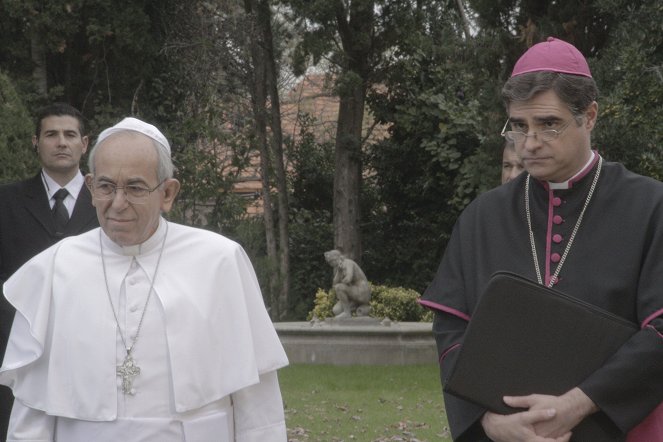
[[126, 154]]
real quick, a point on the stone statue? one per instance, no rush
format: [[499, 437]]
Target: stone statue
[[350, 285]]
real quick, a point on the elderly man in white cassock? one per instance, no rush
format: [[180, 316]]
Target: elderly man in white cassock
[[143, 329]]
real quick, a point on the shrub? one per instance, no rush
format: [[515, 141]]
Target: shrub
[[395, 303], [16, 129], [323, 304]]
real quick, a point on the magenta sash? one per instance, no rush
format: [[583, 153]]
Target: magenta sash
[[650, 429]]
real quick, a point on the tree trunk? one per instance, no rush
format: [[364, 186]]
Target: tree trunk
[[347, 175], [265, 23], [354, 28], [259, 102], [463, 19]]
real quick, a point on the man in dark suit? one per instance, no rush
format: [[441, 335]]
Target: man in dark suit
[[37, 213]]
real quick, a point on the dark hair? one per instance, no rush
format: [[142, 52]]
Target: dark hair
[[576, 91], [59, 110]]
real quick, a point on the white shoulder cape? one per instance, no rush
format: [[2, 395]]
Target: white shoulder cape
[[61, 353]]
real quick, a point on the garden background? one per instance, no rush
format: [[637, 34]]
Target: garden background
[[414, 87]]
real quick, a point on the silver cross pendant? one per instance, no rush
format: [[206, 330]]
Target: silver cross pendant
[[128, 371]]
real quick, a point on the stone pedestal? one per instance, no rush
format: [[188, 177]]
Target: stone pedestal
[[358, 341]]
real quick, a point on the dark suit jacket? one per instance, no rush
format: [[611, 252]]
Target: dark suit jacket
[[27, 228]]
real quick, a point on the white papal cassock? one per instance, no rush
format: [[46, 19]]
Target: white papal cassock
[[207, 350]]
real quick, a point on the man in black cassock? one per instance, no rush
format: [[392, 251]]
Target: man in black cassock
[[575, 222]]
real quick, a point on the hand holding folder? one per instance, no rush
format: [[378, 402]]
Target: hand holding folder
[[525, 338]]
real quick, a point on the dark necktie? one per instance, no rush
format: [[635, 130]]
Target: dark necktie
[[60, 214]]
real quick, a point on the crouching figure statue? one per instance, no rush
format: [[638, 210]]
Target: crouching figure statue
[[351, 286]]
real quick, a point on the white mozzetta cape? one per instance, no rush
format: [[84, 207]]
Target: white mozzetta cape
[[218, 333]]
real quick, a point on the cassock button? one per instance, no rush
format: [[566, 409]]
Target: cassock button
[[133, 308], [557, 238], [555, 257], [558, 219], [557, 201]]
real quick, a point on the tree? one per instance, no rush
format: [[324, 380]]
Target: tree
[[264, 90], [16, 130], [629, 70], [349, 34], [439, 101]]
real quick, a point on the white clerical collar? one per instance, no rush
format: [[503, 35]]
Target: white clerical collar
[[152, 243], [73, 186], [582, 172]]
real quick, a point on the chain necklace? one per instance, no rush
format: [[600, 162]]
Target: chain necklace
[[129, 370], [573, 234]]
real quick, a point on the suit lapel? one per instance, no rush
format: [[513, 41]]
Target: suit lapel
[[84, 213], [36, 202]]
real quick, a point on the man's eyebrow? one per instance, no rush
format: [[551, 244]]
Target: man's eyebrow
[[132, 180], [543, 118], [537, 118], [136, 181]]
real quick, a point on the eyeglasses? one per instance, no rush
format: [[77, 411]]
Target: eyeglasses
[[133, 193], [545, 136]]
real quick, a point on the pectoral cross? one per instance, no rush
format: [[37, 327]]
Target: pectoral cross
[[128, 371]]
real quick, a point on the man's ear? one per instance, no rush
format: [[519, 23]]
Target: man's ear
[[171, 187], [89, 180], [86, 142], [592, 113]]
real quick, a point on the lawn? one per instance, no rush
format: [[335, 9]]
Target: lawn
[[363, 403]]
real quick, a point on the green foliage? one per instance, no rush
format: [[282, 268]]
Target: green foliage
[[323, 305], [16, 130], [630, 76], [311, 175], [441, 105], [310, 180], [206, 198], [90, 49], [396, 303], [310, 236]]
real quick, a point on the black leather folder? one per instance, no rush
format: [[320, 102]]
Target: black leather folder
[[525, 338]]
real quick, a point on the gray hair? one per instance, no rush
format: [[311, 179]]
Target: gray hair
[[576, 91], [165, 167]]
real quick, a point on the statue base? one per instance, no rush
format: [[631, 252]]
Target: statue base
[[354, 320], [358, 341]]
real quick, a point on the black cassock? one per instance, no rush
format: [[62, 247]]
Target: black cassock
[[615, 262]]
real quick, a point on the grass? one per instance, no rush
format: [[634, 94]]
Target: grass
[[363, 403]]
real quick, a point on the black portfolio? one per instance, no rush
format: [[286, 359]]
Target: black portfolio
[[525, 338]]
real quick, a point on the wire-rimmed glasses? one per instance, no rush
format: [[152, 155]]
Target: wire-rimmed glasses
[[134, 193], [545, 136]]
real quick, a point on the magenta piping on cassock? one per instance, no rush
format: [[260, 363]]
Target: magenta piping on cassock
[[587, 169], [551, 214], [651, 317], [445, 309], [446, 352]]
